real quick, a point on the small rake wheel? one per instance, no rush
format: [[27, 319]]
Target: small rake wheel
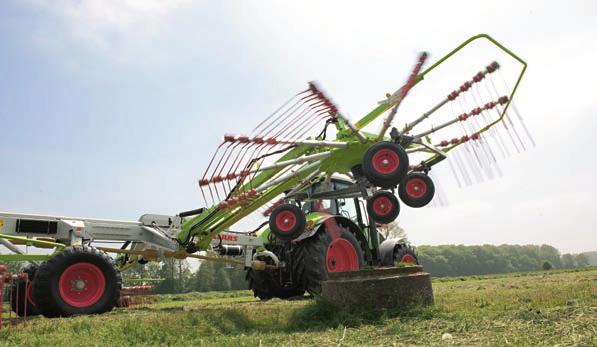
[[287, 221], [385, 164], [383, 207], [416, 189]]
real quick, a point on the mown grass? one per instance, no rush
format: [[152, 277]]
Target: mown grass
[[534, 309]]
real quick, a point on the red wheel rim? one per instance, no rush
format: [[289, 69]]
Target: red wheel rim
[[385, 161], [341, 256], [29, 294], [82, 285], [382, 205], [416, 187], [408, 258], [285, 221]]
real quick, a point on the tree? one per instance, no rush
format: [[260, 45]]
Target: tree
[[581, 260], [546, 265], [568, 261], [392, 230]]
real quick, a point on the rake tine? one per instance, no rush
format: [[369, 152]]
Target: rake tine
[[495, 135], [524, 126], [277, 110], [454, 171], [459, 163]]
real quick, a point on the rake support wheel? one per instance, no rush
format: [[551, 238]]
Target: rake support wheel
[[385, 164], [287, 221], [383, 207], [416, 189], [79, 280]]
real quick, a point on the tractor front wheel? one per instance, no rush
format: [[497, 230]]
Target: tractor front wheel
[[405, 254], [79, 280]]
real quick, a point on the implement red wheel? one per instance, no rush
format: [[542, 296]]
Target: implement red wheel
[[287, 221], [82, 285], [385, 164], [416, 190], [79, 280], [383, 207]]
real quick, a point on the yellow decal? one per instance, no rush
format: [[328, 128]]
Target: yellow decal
[[1, 223]]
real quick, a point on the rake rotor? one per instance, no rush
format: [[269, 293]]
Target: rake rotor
[[284, 154]]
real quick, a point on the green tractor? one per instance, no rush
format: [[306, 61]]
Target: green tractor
[[339, 236]]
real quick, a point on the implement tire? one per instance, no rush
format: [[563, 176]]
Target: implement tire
[[79, 280]]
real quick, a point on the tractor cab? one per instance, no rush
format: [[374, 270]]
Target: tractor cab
[[350, 207]]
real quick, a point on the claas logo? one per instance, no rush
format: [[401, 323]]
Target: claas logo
[[226, 237]]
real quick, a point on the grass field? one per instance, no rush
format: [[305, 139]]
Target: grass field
[[556, 308]]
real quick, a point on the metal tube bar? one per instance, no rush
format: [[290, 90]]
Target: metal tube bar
[[288, 176]]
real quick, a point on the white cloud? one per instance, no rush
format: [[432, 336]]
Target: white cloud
[[106, 25]]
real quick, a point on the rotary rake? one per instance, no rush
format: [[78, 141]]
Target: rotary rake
[[473, 126]]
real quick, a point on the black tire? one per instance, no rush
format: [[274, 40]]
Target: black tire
[[385, 164], [20, 302], [75, 266], [287, 221], [309, 258], [416, 189], [405, 253], [383, 207], [265, 286]]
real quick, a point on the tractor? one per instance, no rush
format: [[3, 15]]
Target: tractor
[[336, 231]]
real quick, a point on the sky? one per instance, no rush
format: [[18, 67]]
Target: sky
[[112, 109]]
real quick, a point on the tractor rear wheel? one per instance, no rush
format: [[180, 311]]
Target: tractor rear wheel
[[265, 286], [21, 300], [325, 252], [385, 164], [79, 280]]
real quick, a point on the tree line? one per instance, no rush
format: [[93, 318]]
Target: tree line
[[460, 260]]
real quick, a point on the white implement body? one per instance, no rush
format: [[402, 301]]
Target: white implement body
[[152, 231]]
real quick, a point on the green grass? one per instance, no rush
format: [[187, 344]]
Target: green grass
[[556, 308]]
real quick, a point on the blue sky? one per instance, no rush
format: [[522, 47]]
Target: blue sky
[[112, 109]]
